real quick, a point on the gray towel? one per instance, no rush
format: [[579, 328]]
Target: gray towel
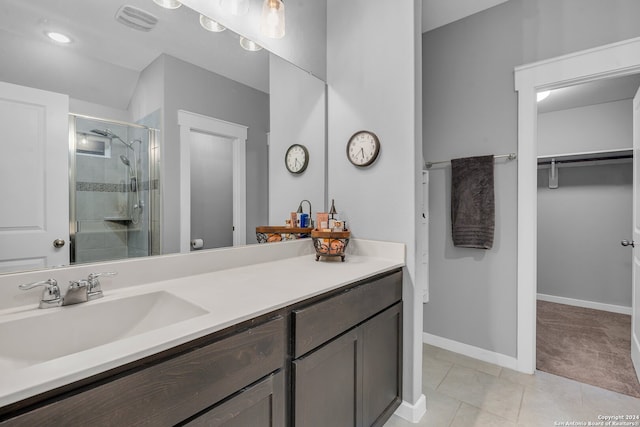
[[472, 202]]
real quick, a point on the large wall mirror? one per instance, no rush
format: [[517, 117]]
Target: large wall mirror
[[111, 99]]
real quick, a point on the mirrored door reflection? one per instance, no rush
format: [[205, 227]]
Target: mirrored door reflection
[[113, 191], [211, 191]]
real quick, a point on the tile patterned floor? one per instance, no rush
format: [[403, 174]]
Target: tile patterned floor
[[464, 392]]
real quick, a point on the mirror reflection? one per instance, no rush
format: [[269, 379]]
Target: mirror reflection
[[119, 84]]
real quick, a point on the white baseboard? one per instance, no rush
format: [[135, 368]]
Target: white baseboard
[[586, 304], [412, 413], [471, 351]]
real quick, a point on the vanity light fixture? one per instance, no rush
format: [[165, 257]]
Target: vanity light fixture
[[272, 21], [543, 95], [211, 25], [168, 4], [235, 7], [249, 45], [58, 37]]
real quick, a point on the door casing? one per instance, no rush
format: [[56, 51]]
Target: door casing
[[189, 122], [613, 60]]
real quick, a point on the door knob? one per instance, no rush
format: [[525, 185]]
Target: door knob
[[58, 243], [628, 243]]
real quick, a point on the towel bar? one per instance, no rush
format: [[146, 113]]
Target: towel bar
[[510, 156]]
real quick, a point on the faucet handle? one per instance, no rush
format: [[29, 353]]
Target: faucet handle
[[94, 289], [50, 293]]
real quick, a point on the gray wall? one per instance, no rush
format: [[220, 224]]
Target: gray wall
[[580, 225], [607, 126], [194, 89], [298, 106], [211, 187], [374, 83], [470, 108]]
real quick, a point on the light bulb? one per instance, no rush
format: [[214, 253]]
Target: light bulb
[[168, 4], [211, 25], [272, 22], [58, 37], [249, 45]]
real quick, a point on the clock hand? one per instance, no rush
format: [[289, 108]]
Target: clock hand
[[297, 162], [362, 152]]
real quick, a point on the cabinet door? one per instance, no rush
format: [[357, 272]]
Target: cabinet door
[[261, 405], [381, 365], [326, 381]]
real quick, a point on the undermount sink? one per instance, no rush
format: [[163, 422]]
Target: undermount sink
[[58, 332]]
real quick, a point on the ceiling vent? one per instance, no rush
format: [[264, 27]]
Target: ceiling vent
[[135, 18]]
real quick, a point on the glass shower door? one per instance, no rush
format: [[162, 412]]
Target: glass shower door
[[110, 190]]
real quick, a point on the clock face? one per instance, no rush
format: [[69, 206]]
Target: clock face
[[363, 148], [296, 159]]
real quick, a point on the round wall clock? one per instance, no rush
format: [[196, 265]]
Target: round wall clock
[[363, 148], [296, 159]]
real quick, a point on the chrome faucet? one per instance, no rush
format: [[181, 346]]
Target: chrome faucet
[[79, 291], [300, 211], [50, 294]]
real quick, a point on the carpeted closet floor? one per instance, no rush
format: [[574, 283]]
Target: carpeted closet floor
[[590, 346]]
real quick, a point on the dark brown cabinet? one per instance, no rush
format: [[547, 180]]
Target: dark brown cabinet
[[348, 356], [353, 380], [169, 391], [333, 360], [261, 405]]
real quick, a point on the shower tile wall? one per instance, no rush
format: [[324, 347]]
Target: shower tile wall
[[101, 192]]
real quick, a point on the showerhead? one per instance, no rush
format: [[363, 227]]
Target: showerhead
[[125, 160], [107, 133]]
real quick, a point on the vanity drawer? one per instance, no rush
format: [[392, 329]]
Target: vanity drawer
[[171, 391], [324, 320]]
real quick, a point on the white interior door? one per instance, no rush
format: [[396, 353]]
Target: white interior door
[[635, 314], [34, 172]]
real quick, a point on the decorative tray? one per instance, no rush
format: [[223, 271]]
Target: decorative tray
[[330, 243], [277, 233]]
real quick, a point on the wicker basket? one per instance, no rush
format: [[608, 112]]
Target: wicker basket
[[330, 243]]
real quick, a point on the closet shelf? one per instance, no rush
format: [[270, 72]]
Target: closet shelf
[[590, 156]]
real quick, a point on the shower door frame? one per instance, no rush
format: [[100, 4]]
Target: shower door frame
[[73, 224]]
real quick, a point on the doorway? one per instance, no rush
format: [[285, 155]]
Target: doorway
[[206, 130], [211, 191], [584, 200], [613, 60]]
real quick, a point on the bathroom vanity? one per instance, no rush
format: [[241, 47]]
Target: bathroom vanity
[[311, 350]]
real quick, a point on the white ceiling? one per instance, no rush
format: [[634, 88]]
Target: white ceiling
[[436, 13], [98, 37]]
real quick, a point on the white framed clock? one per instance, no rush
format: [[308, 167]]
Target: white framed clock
[[296, 158], [363, 148]]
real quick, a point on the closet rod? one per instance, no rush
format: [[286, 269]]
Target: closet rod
[[510, 156]]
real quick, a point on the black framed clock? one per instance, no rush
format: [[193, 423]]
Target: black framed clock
[[296, 158], [363, 148]]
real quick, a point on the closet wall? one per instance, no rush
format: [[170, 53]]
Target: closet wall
[[581, 223]]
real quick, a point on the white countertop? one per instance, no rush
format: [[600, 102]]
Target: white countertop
[[230, 296]]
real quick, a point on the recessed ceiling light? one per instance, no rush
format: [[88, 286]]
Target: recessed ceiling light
[[249, 45], [543, 95], [211, 25], [168, 4], [58, 37]]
